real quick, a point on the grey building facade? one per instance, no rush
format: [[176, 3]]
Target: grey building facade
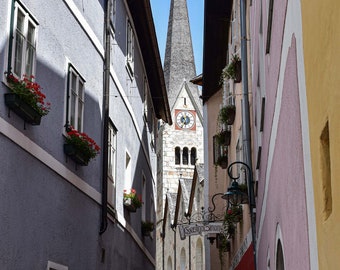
[[98, 64]]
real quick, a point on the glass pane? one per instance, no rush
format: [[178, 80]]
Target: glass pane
[[80, 114], [73, 110], [19, 40], [73, 82], [20, 21], [30, 52], [30, 34], [81, 90]]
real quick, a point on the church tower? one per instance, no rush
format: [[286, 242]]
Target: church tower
[[180, 146]]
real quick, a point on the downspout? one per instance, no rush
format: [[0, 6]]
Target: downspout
[[246, 121], [105, 127], [11, 37]]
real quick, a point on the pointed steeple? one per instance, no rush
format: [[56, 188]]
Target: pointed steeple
[[179, 63]]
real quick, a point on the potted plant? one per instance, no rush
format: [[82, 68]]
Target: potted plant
[[222, 161], [233, 70], [229, 223], [223, 137], [223, 245], [238, 213], [220, 154], [131, 200], [243, 187], [80, 147], [227, 114], [147, 228], [26, 99]]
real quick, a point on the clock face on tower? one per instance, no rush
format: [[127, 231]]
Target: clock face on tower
[[185, 120]]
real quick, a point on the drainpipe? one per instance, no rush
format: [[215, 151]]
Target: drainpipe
[[11, 38], [246, 121], [105, 128]]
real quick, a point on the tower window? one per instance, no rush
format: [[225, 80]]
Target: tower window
[[193, 156], [177, 155], [185, 155]]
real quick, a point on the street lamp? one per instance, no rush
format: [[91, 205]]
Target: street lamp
[[236, 197]]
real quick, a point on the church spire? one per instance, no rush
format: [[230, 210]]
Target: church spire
[[179, 63]]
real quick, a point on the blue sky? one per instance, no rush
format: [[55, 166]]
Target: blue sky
[[160, 12]]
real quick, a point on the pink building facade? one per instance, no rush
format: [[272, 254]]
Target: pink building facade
[[285, 229]]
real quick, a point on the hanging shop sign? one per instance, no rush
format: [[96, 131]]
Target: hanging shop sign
[[199, 228]]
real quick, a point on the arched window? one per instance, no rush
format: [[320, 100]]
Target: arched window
[[193, 156], [177, 155], [169, 264], [185, 155], [183, 259], [279, 257], [199, 255]]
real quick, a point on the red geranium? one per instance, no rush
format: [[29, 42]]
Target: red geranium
[[30, 92], [83, 143]]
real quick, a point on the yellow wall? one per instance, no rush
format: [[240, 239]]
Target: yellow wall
[[321, 39]]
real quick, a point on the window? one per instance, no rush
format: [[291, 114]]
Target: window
[[326, 172], [279, 257], [177, 155], [270, 22], [55, 266], [113, 14], [75, 100], [145, 100], [199, 255], [23, 46], [112, 152], [185, 156], [182, 259], [193, 156], [128, 180], [144, 199], [169, 264], [130, 48]]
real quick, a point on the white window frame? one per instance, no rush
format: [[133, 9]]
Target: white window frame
[[79, 99], [112, 159], [55, 266], [20, 67], [130, 47]]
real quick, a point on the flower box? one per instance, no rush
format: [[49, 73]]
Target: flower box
[[26, 99], [75, 154], [128, 204], [131, 200], [80, 147], [147, 228], [227, 114], [22, 109], [233, 70]]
